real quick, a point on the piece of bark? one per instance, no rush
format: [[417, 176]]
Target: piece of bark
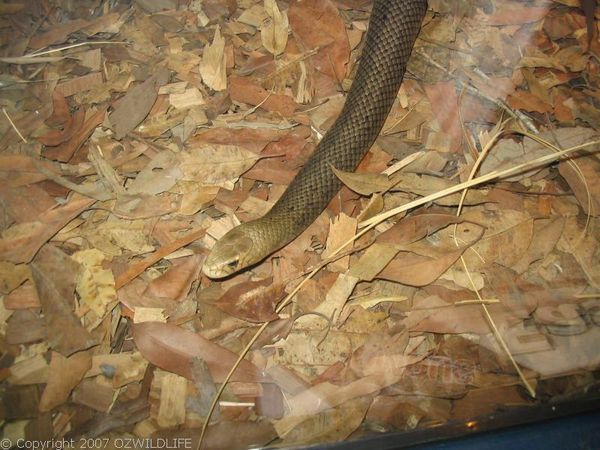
[[25, 327], [21, 402], [94, 395]]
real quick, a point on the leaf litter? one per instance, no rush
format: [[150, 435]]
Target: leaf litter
[[133, 137]]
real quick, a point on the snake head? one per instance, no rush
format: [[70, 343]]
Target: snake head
[[232, 253]]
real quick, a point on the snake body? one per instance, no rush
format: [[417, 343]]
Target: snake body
[[392, 30]]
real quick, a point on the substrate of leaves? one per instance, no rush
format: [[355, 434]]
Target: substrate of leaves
[[134, 134]]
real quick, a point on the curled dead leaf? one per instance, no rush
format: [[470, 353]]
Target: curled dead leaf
[[364, 183], [172, 348], [213, 65], [254, 301], [274, 33]]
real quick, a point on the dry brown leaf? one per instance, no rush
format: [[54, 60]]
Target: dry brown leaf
[[20, 242], [378, 345], [80, 84], [32, 370], [528, 101], [106, 23], [535, 86], [375, 206], [506, 14], [445, 105], [175, 283], [212, 66], [92, 59], [341, 228], [507, 237], [415, 269], [244, 90], [135, 269], [507, 153], [327, 395], [57, 34], [94, 394], [25, 203], [373, 261], [172, 348], [135, 106], [251, 139], [439, 377], [451, 319], [401, 120], [64, 374], [12, 276], [541, 61], [254, 301], [585, 184], [583, 245], [274, 33], [364, 183], [66, 150], [11, 8], [413, 228], [323, 115], [216, 164], [318, 25], [545, 236], [144, 206], [25, 296], [426, 185], [332, 425], [337, 296], [187, 99], [194, 196], [271, 171], [70, 124], [54, 275], [160, 174]]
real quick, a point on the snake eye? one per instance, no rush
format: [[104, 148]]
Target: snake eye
[[232, 264]]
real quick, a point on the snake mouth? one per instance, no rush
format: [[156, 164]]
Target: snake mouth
[[215, 266], [220, 270], [230, 254]]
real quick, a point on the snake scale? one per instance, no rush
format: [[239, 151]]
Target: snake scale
[[392, 30]]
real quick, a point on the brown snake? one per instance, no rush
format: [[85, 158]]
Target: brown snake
[[393, 28]]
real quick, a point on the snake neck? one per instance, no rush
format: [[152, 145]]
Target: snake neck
[[393, 28], [392, 31]]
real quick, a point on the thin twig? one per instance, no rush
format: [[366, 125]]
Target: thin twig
[[12, 124], [486, 311], [68, 47], [538, 162], [477, 301]]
